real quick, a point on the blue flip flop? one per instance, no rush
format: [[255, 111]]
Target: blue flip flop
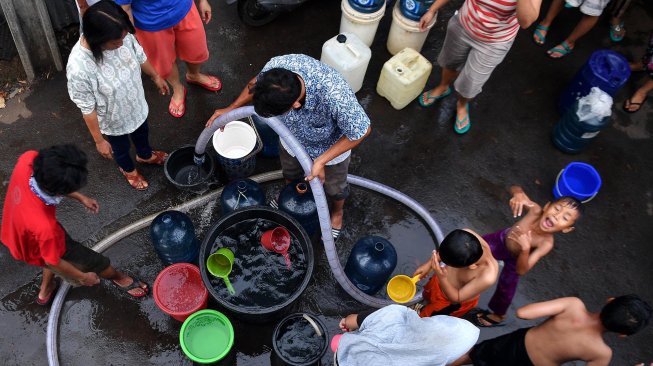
[[614, 30], [538, 32], [564, 51], [458, 122], [431, 99]]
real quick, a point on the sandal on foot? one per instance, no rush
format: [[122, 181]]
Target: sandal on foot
[[136, 284], [336, 233], [427, 100], [48, 300], [483, 315], [617, 32], [538, 33], [563, 49], [214, 81], [629, 102], [456, 126], [135, 179], [176, 106], [157, 158]]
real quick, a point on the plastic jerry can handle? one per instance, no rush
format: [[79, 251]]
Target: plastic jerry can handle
[[353, 50]]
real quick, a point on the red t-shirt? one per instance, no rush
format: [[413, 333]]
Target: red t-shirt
[[29, 227]]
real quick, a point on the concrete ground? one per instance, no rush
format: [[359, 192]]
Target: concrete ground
[[462, 180]]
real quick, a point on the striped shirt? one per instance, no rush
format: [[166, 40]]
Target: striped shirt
[[490, 20]]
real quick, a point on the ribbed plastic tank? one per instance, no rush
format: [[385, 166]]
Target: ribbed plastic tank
[[370, 263], [296, 199], [241, 193], [173, 237]]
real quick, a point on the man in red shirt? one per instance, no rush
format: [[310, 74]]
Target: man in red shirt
[[30, 229]]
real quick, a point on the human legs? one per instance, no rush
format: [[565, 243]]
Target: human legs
[[144, 153], [121, 146], [585, 24], [618, 9], [47, 285], [634, 103], [337, 189], [543, 27]]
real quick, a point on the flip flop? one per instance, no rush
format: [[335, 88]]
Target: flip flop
[[157, 158], [564, 51], [615, 30], [629, 102], [134, 285], [427, 100], [178, 106], [462, 130], [538, 32], [208, 86], [336, 233], [482, 314], [135, 180], [48, 300]]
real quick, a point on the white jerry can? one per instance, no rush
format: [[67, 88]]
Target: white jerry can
[[349, 56], [403, 77]]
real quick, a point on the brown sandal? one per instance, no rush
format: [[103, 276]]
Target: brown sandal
[[135, 179], [157, 158]]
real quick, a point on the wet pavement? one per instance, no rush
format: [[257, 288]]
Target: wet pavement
[[462, 180]]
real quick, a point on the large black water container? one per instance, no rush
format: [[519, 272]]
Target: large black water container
[[241, 193], [371, 263], [296, 199], [299, 339], [255, 270]]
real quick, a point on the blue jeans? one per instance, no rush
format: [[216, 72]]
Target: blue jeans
[[120, 146]]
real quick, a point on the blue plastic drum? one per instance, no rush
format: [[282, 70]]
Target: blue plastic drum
[[366, 6], [414, 9], [605, 69]]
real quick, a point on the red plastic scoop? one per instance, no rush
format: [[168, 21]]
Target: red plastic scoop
[[277, 240]]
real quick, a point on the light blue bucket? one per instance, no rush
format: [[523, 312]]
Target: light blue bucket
[[578, 180]]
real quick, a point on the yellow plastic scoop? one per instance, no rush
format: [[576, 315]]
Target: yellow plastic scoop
[[402, 288]]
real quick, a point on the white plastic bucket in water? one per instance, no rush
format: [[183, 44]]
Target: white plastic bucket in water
[[236, 141], [362, 25], [405, 33]]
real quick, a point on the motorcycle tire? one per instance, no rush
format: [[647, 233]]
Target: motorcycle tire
[[252, 14]]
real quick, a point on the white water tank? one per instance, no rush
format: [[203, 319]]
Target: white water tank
[[349, 56], [403, 77], [363, 25], [405, 32]]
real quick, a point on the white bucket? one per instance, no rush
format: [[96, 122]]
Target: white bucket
[[362, 25], [236, 141], [405, 33]]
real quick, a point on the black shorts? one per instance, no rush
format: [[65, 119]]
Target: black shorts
[[509, 349], [83, 258]]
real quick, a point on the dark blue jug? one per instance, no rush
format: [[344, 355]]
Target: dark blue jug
[[572, 135], [269, 138], [296, 199], [241, 193], [371, 263], [366, 6], [414, 9], [173, 236], [605, 69]]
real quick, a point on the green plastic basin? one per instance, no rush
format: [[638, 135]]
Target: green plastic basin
[[206, 336]]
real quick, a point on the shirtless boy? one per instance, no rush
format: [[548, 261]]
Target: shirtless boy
[[521, 246], [571, 333], [468, 270]]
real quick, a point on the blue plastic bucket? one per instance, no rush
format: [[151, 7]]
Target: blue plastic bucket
[[579, 180]]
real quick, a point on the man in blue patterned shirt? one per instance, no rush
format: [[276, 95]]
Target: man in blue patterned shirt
[[317, 105]]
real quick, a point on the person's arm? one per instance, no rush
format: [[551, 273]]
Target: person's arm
[[160, 83], [205, 10], [128, 9], [244, 98], [83, 5], [527, 12], [468, 291], [102, 146], [88, 202], [520, 200], [342, 145], [68, 270], [428, 16], [427, 267], [548, 308]]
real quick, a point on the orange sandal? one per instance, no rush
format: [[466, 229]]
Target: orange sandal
[[157, 158], [135, 179]]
